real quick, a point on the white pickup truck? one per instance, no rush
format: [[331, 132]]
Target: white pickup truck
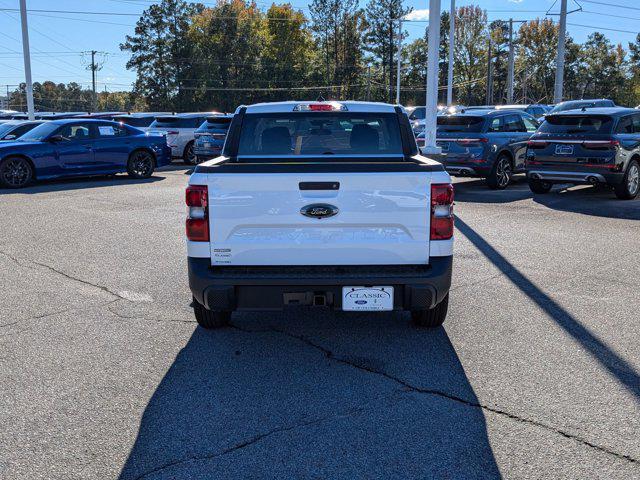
[[320, 204]]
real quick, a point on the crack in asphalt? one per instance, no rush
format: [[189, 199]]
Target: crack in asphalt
[[442, 394], [64, 274], [245, 443]]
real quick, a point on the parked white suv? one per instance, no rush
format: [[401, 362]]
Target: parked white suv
[[320, 204], [179, 130]]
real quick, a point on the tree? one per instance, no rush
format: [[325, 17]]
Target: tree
[[602, 70], [470, 53], [160, 52], [381, 37], [536, 60], [338, 26]]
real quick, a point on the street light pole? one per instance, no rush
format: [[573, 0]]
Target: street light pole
[[399, 61], [452, 32], [557, 91], [27, 58], [430, 118], [510, 72]]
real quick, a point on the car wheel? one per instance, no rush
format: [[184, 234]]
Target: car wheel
[[209, 319], [539, 186], [15, 172], [188, 155], [141, 164], [501, 173], [630, 186], [433, 317]]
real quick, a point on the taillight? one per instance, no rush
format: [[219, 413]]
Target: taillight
[[600, 144], [441, 211], [469, 141], [198, 215], [537, 144]]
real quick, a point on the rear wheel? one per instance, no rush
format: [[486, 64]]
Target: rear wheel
[[501, 173], [209, 319], [539, 186], [15, 172], [630, 186], [188, 155], [141, 164], [433, 317]]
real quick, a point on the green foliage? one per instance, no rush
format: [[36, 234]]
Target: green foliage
[[189, 57]]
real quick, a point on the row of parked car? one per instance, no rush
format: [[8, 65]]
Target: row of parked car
[[577, 142], [580, 142], [193, 137]]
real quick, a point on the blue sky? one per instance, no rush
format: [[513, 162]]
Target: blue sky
[[57, 39]]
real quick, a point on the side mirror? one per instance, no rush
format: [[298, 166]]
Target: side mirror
[[56, 138]]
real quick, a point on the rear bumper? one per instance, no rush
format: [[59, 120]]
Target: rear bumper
[[272, 288], [578, 176]]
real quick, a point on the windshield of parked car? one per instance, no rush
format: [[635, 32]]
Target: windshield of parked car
[[320, 133], [563, 107], [460, 124], [6, 128], [215, 124], [576, 124], [418, 113], [135, 121], [176, 122], [39, 133]]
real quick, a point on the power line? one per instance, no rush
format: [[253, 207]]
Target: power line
[[611, 4], [602, 28]]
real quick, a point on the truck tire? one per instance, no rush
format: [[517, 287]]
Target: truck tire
[[209, 319], [433, 317], [538, 186], [501, 173], [630, 186]]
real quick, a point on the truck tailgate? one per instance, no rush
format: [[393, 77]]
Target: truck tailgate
[[382, 218]]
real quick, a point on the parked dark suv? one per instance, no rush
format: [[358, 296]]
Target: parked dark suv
[[484, 143], [210, 137], [587, 146]]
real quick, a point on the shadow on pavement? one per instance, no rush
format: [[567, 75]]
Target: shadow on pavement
[[600, 351], [77, 183], [599, 201], [477, 191], [266, 402]]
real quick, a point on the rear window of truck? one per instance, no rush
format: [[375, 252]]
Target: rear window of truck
[[320, 133], [460, 124], [577, 124]]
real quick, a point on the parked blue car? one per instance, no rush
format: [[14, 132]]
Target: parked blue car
[[489, 144], [74, 147], [210, 137]]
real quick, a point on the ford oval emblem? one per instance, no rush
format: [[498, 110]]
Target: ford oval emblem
[[319, 210]]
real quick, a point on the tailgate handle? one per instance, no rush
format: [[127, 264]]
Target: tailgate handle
[[319, 185]]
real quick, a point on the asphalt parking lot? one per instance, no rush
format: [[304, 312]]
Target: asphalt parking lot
[[104, 373]]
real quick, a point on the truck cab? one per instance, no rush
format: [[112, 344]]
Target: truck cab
[[320, 204]]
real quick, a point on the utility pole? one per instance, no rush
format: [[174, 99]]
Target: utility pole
[[490, 72], [510, 71], [27, 58], [399, 61], [93, 79], [557, 91], [368, 83], [430, 119], [452, 34]]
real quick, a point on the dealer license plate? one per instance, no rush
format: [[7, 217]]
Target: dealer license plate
[[367, 299]]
